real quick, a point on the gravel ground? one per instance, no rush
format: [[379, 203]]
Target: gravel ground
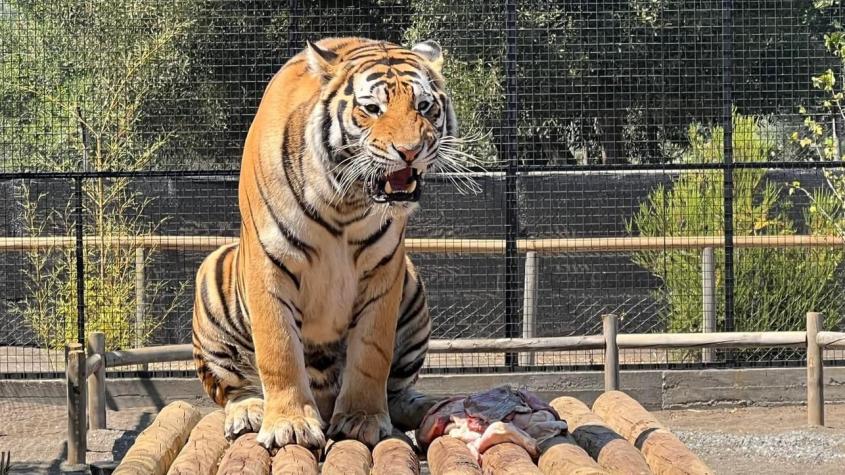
[[772, 440], [755, 440]]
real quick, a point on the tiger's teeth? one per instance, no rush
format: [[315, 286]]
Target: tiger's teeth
[[412, 187], [387, 187]]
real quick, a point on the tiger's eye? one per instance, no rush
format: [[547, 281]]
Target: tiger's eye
[[373, 109], [424, 106]]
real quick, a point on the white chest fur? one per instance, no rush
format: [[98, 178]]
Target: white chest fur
[[330, 285]]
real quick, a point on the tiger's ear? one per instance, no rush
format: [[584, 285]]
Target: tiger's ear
[[431, 51], [321, 62]]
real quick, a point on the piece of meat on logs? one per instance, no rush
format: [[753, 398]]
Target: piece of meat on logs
[[493, 417]]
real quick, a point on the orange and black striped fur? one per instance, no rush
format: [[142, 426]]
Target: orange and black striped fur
[[316, 322]]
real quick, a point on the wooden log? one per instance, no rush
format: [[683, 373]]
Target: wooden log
[[347, 457], [831, 339], [562, 456], [507, 459], [450, 456], [529, 304], [96, 372], [77, 421], [663, 451], [153, 354], [482, 345], [295, 460], [610, 327], [168, 353], [204, 449], [815, 371], [157, 446], [246, 456], [458, 246], [712, 340], [608, 448], [395, 457]]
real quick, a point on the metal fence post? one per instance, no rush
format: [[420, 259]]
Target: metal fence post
[[815, 371], [509, 150], [76, 399], [529, 305], [708, 298], [97, 382], [80, 263], [610, 327], [728, 160]]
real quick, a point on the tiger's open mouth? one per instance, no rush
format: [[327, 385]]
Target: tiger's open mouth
[[400, 185]]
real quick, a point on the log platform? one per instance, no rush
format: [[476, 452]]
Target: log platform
[[617, 437]]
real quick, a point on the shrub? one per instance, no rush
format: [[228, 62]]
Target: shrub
[[774, 288]]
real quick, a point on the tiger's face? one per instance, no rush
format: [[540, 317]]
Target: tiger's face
[[384, 112]]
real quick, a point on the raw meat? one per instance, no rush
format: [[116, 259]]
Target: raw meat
[[492, 417]]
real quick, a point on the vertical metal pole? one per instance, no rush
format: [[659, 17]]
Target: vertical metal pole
[[727, 122], [80, 264], [610, 326], [76, 420], [140, 304], [295, 42], [509, 151], [815, 371], [529, 305], [708, 298], [97, 383]]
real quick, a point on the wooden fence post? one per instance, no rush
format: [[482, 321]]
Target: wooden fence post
[[610, 325], [140, 304], [529, 305], [815, 371], [140, 299], [76, 420], [708, 298], [97, 383]]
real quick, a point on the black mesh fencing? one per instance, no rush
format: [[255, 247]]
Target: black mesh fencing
[[677, 163]]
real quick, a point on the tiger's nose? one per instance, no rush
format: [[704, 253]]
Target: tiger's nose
[[409, 154]]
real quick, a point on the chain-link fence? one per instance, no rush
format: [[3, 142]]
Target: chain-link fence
[[674, 162]]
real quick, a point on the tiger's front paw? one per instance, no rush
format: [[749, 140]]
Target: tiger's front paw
[[279, 430], [366, 428], [243, 416]]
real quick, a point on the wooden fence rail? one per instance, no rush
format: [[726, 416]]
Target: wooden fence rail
[[461, 245], [80, 370]]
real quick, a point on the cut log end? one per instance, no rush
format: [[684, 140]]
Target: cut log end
[[562, 456], [246, 456], [347, 457], [395, 457], [295, 460], [450, 456], [508, 459]]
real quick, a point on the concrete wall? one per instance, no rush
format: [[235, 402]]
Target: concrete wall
[[654, 389]]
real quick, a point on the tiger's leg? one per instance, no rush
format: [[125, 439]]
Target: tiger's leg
[[291, 415], [413, 330], [222, 345], [361, 410]]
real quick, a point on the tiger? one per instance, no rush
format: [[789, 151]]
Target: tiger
[[315, 324]]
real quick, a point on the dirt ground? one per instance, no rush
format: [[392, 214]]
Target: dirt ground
[[771, 440]]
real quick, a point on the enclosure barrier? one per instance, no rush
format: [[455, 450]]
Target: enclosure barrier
[[82, 397], [530, 247]]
